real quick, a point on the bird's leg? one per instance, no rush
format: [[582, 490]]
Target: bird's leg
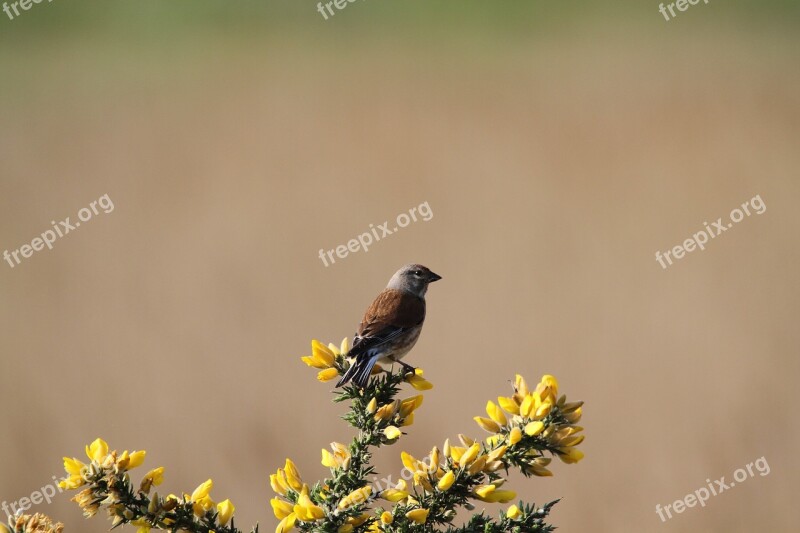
[[407, 369]]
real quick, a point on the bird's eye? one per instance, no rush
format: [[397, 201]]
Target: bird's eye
[[417, 272]]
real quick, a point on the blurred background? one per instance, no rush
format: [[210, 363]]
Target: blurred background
[[558, 145]]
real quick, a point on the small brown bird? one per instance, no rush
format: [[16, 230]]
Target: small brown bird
[[391, 325]]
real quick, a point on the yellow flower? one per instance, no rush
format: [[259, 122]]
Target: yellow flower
[[497, 453], [499, 496], [387, 518], [345, 528], [418, 516], [548, 387], [487, 424], [409, 405], [356, 521], [342, 349], [278, 482], [392, 433], [495, 413], [513, 512], [529, 404], [321, 356], [292, 475], [421, 479], [328, 459], [356, 497], [372, 406], [482, 491], [544, 409], [447, 481], [418, 382], [281, 508], [570, 455], [574, 416], [339, 458], [572, 440], [433, 460], [468, 456], [202, 505], [387, 411], [97, 450], [225, 510], [456, 452], [73, 466], [538, 470], [410, 462], [136, 459], [287, 523], [494, 440], [570, 407], [478, 465], [305, 508], [394, 495], [202, 490], [327, 375], [520, 387], [514, 436], [534, 428], [153, 477], [72, 482], [508, 404]]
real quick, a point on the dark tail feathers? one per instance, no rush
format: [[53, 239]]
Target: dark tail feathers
[[359, 371]]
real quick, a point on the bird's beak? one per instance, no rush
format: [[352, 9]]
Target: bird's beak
[[433, 277]]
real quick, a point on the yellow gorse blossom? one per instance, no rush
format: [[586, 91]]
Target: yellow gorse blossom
[[225, 510], [328, 374], [523, 427], [97, 450], [418, 516], [305, 509], [417, 381], [36, 523], [291, 476], [281, 508], [394, 495], [447, 481], [392, 433], [106, 482], [356, 497], [321, 356], [529, 417], [202, 490], [340, 458]]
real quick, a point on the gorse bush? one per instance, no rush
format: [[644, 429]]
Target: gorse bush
[[527, 429]]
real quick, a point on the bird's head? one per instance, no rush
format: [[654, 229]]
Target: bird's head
[[413, 278]]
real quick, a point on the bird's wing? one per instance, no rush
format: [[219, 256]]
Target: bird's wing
[[392, 313]]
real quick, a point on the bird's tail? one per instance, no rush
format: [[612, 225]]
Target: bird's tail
[[359, 371]]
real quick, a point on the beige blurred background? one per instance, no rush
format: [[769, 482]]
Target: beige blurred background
[[557, 148]]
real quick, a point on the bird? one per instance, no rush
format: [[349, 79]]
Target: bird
[[391, 325]]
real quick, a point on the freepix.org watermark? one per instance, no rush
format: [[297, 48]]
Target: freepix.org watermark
[[327, 9], [365, 240], [681, 5], [61, 229], [699, 239], [716, 488], [44, 494], [25, 5]]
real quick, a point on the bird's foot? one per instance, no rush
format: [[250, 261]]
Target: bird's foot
[[407, 369]]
